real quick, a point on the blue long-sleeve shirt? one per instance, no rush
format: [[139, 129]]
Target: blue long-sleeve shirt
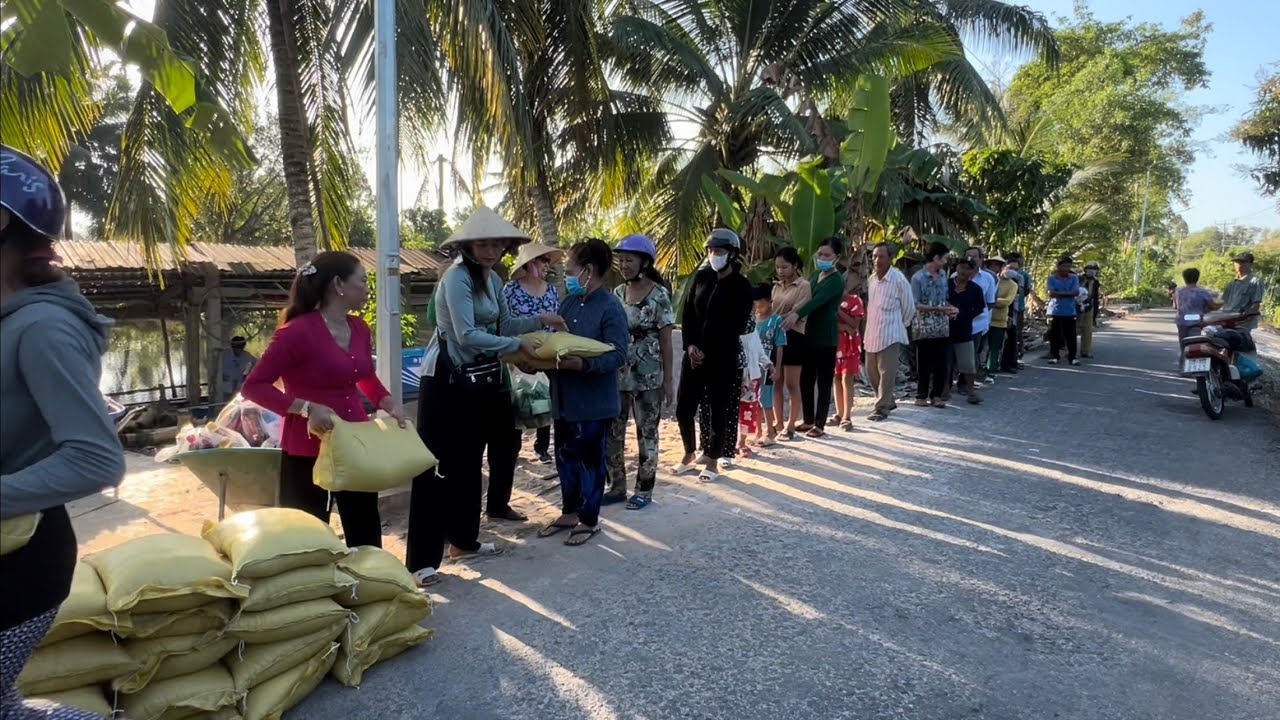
[[592, 394]]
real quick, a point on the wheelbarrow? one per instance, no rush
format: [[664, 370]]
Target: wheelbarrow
[[240, 476]]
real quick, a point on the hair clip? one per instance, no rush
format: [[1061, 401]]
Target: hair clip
[[308, 269]]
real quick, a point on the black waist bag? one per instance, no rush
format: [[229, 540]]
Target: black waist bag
[[481, 377]]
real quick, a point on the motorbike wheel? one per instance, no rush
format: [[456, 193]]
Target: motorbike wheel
[[1212, 399]]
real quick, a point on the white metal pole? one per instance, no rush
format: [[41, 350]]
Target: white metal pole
[[386, 166], [1142, 231]]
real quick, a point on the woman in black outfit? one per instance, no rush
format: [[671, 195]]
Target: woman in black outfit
[[717, 312], [58, 445]]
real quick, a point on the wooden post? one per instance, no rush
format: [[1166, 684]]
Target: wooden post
[[192, 349], [215, 332]]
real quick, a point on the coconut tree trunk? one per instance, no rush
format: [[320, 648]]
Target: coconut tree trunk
[[295, 144], [544, 207]]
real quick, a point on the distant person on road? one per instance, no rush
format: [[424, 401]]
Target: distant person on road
[[1089, 307], [848, 356], [236, 364], [822, 336], [931, 331], [1064, 287], [790, 293], [717, 313], [1012, 351], [967, 297], [890, 310], [528, 294], [1193, 300], [1006, 293], [988, 281], [1245, 293]]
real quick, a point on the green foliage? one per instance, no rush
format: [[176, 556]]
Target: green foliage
[[1016, 188], [408, 321], [423, 229], [1259, 132]]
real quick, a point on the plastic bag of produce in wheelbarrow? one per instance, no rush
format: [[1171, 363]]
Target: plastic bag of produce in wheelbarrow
[[205, 437], [259, 426]]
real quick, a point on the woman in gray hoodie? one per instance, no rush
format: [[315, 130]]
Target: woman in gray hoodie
[[57, 444]]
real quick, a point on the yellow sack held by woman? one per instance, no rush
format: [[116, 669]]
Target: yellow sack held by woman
[[370, 456], [16, 532], [549, 348]]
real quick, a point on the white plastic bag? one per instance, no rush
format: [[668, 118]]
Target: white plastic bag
[[259, 426], [205, 437]]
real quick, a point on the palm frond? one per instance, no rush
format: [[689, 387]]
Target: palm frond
[[1005, 28]]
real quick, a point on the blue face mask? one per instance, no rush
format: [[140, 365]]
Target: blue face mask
[[825, 265], [574, 286]]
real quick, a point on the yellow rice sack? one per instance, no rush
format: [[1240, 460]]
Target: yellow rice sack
[[272, 698], [253, 665], [85, 609], [163, 573], [289, 621], [16, 532], [549, 348], [350, 669], [378, 620], [370, 456], [295, 586], [75, 663], [199, 694], [89, 699], [379, 575], [208, 619], [167, 657], [264, 543]]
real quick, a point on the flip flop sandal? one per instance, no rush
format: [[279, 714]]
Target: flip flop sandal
[[575, 533], [426, 577], [804, 427], [767, 442], [553, 529], [877, 417], [682, 468], [639, 502], [815, 433], [788, 435], [847, 426], [485, 550], [728, 462], [707, 476]]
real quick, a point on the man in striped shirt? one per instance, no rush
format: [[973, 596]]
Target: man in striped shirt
[[890, 309]]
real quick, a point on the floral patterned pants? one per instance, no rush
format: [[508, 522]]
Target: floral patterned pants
[[16, 646]]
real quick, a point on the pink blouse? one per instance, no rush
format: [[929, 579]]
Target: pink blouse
[[315, 369]]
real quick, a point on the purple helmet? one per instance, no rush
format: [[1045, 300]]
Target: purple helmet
[[640, 245], [31, 193]]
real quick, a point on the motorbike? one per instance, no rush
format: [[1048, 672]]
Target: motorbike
[[1215, 357]]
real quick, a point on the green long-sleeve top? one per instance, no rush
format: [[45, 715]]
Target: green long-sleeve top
[[823, 327]]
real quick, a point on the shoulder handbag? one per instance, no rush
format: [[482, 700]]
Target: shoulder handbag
[[484, 376], [930, 325]]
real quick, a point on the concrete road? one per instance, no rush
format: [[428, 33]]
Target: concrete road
[[1085, 545]]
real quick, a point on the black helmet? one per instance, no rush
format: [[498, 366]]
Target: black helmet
[[31, 193], [724, 238]]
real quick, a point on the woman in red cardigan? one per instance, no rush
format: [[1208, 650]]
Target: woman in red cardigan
[[324, 355]]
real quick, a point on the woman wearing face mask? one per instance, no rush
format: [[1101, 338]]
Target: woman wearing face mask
[[648, 380], [790, 293], [465, 405], [57, 445], [528, 294], [717, 312], [324, 355], [585, 400], [822, 337]]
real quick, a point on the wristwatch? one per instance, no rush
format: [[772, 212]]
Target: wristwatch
[[305, 410]]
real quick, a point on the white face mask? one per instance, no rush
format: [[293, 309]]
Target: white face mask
[[718, 262]]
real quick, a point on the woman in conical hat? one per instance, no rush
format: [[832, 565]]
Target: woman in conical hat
[[465, 405]]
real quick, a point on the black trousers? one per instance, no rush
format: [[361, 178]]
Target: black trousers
[[1012, 343], [542, 440], [1062, 332], [359, 510], [710, 394], [816, 378], [458, 426], [932, 367]]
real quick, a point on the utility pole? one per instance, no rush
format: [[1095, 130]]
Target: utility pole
[[386, 167], [1142, 231]]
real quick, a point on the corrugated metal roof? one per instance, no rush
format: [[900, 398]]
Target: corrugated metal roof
[[101, 255]]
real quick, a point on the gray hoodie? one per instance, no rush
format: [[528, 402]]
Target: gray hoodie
[[56, 441]]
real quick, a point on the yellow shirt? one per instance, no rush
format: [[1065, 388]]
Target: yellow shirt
[[1006, 293]]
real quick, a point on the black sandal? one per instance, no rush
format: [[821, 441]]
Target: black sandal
[[613, 498], [553, 529], [508, 514], [578, 533]]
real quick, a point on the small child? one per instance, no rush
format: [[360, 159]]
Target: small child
[[772, 337], [848, 358]]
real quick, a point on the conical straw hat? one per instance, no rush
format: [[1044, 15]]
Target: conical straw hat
[[531, 252], [485, 224]]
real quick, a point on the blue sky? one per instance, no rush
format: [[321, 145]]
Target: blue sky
[[1242, 42]]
